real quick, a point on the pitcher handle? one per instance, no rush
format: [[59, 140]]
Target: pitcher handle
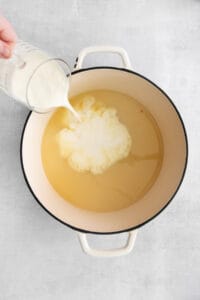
[[96, 49], [108, 252]]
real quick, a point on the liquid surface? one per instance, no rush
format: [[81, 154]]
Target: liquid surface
[[125, 181]]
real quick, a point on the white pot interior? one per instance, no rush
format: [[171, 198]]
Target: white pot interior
[[175, 152]]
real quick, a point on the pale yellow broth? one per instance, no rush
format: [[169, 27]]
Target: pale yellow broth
[[122, 184]]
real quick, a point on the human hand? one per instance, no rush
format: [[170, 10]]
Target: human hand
[[8, 38]]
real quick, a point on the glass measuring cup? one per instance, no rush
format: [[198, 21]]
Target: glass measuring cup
[[35, 79]]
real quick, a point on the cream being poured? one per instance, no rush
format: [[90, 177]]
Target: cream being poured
[[37, 80]]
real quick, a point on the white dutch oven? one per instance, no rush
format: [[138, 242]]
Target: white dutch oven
[[126, 81]]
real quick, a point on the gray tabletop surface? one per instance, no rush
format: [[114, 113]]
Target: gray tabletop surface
[[40, 259]]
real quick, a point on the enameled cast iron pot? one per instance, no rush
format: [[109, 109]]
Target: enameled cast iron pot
[[126, 81]]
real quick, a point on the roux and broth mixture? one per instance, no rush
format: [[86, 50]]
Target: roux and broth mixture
[[110, 159]]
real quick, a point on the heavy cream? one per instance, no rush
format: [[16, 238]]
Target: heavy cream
[[33, 78], [95, 143]]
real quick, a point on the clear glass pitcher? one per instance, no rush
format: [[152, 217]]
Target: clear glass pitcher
[[35, 79]]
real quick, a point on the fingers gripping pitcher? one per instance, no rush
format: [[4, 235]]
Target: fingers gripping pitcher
[[35, 79]]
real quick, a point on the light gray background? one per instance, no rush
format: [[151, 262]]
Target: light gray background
[[41, 258]]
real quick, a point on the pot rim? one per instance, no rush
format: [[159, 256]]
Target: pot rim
[[169, 201]]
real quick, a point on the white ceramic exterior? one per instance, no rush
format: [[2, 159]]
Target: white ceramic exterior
[[160, 194]]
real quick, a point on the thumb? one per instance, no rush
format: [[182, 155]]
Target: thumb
[[5, 51]]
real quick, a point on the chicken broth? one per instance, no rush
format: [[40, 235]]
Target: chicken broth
[[108, 160]]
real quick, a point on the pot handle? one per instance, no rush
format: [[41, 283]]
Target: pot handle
[[95, 49], [108, 252]]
